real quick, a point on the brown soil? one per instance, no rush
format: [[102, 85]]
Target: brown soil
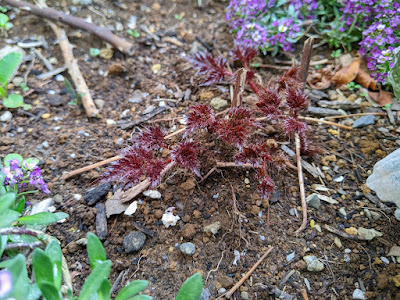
[[76, 141]]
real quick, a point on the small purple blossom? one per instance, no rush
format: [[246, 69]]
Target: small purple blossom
[[5, 282]]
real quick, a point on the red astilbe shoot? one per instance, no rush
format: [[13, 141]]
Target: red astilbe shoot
[[266, 184], [186, 154], [236, 127], [289, 78], [269, 101], [295, 100], [255, 154], [134, 163], [214, 68], [200, 117], [150, 138], [243, 53]]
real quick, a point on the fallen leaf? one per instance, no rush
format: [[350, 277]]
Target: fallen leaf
[[347, 74], [365, 80], [374, 95], [384, 98], [321, 84], [394, 251]]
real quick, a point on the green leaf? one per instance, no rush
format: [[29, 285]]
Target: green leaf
[[8, 217], [95, 250], [143, 297], [94, 281], [53, 250], [12, 156], [50, 292], [104, 290], [31, 162], [135, 33], [6, 201], [394, 74], [94, 52], [132, 289], [191, 288], [70, 89], [8, 65], [42, 266], [13, 101], [43, 218], [3, 20], [3, 242], [20, 206], [24, 238]]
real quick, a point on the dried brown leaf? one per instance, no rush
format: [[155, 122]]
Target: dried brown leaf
[[384, 98], [347, 74], [365, 80]]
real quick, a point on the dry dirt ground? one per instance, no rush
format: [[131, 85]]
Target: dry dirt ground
[[68, 140]]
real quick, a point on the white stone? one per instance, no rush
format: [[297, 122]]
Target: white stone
[[42, 206], [169, 219], [359, 294], [131, 209], [385, 178], [6, 116], [152, 194]]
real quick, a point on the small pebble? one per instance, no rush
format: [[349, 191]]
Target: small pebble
[[152, 194], [45, 144], [188, 249], [134, 241], [359, 294], [6, 116], [244, 295], [385, 260], [59, 77], [149, 109], [110, 122], [290, 256], [222, 291], [313, 263], [45, 116], [77, 197], [212, 228], [364, 121]]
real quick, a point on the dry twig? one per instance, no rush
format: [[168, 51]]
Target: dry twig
[[57, 16], [240, 282], [74, 71]]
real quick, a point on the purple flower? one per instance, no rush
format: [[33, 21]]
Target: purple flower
[[5, 282], [35, 178]]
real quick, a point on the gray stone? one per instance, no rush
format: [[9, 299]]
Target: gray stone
[[313, 263], [99, 103], [101, 222], [6, 116], [205, 294], [188, 249], [218, 103], [385, 178], [94, 195], [345, 105], [57, 100], [244, 295], [314, 201], [322, 112], [359, 294], [134, 241], [364, 121], [137, 97], [58, 199]]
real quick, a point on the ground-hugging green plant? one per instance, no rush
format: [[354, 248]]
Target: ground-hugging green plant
[[394, 73], [8, 65], [51, 272]]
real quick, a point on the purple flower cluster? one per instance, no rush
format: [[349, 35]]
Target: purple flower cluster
[[5, 283], [380, 24], [21, 173], [267, 24]]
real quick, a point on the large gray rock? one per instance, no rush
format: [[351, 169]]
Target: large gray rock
[[385, 178]]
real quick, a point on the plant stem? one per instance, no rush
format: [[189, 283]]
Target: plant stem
[[28, 192], [301, 184], [23, 245]]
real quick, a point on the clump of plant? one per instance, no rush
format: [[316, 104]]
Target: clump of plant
[[52, 280], [281, 103], [8, 65], [4, 24], [278, 24]]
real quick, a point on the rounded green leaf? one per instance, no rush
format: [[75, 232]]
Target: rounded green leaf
[[53, 250], [13, 101], [191, 288], [3, 20], [8, 64], [132, 289], [50, 292], [95, 250], [42, 266], [12, 156], [6, 201]]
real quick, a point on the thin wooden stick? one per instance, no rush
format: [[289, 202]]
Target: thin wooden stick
[[326, 122], [240, 282], [74, 71], [356, 115], [304, 294], [91, 167], [57, 16], [302, 73], [301, 184]]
